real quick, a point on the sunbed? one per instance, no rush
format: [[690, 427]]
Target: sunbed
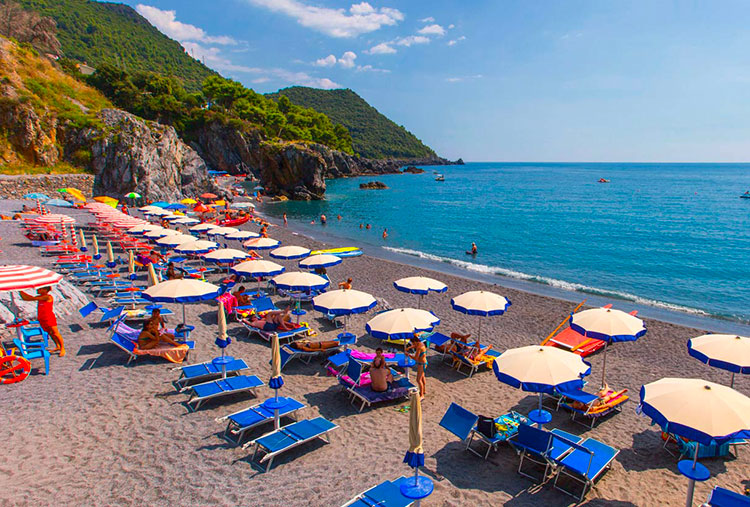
[[245, 420], [541, 447], [261, 304], [590, 406], [386, 494], [571, 340], [721, 497], [288, 437], [398, 389], [461, 359], [284, 336], [206, 371], [199, 393], [463, 424], [585, 464], [126, 338], [341, 359]]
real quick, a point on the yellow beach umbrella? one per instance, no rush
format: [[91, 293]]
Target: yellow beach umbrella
[[152, 278], [131, 263], [110, 253], [220, 202], [77, 194], [188, 201], [83, 239]]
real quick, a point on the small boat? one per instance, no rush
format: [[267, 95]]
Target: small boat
[[746, 195], [347, 251], [440, 177], [234, 222], [602, 180]]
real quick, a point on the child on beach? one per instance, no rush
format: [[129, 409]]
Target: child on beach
[[420, 356], [46, 316], [346, 285]]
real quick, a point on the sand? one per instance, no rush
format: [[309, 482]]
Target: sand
[[97, 432]]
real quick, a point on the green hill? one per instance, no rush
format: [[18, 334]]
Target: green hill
[[373, 135], [112, 33]]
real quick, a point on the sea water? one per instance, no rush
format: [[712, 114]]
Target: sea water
[[673, 236]]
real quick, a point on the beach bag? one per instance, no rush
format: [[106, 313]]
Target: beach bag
[[486, 426]]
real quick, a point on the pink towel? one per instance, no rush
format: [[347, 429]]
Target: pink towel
[[228, 301], [364, 356]]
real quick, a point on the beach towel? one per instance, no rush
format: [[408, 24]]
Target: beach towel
[[364, 379], [364, 356], [164, 350], [228, 301]]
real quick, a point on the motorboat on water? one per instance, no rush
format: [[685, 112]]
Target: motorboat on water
[[440, 177], [602, 180], [746, 195]]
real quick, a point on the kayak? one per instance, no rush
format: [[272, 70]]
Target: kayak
[[232, 223], [347, 251]]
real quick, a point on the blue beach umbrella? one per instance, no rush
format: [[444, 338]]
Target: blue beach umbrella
[[175, 205], [607, 325], [701, 411], [60, 203], [37, 195], [543, 370], [159, 204]]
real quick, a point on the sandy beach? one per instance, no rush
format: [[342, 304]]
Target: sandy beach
[[97, 432]]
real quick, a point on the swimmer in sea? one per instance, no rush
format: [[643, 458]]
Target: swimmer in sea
[[385, 233], [473, 248], [338, 217], [361, 226], [368, 227], [323, 220]]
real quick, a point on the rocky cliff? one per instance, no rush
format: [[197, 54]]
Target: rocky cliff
[[128, 154]]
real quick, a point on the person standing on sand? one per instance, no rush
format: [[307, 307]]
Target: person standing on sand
[[46, 316], [285, 222], [420, 357]]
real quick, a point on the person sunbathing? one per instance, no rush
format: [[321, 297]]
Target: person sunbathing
[[171, 273], [154, 332], [380, 373], [242, 298]]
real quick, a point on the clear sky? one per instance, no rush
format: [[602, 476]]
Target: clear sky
[[490, 80]]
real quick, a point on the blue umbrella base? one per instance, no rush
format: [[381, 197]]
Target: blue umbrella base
[[417, 488], [700, 473]]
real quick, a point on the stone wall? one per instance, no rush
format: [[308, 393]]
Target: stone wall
[[15, 187]]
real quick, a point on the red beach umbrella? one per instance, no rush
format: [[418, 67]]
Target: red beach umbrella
[[21, 277], [209, 195]]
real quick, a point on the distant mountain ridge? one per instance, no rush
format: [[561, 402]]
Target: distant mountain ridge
[[114, 33], [373, 134]]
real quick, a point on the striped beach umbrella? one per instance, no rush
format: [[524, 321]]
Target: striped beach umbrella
[[15, 277], [54, 219]]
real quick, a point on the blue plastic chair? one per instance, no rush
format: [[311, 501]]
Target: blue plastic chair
[[252, 417], [585, 463], [290, 436], [386, 494], [34, 350], [221, 387]]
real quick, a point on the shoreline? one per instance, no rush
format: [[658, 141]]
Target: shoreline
[[700, 319]]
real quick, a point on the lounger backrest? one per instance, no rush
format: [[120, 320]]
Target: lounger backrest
[[285, 355], [534, 439], [111, 314], [123, 343], [583, 463], [721, 497], [458, 421], [86, 310], [354, 370]]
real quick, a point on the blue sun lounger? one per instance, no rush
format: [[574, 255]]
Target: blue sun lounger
[[721, 497], [288, 437], [206, 371], [398, 389], [283, 335], [222, 387], [463, 424], [288, 352], [252, 417], [542, 448], [585, 463], [385, 494]]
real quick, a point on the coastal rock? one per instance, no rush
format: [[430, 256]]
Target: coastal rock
[[373, 185], [413, 170], [16, 186], [132, 155], [68, 299]]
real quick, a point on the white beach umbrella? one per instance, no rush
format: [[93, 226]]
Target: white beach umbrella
[[480, 303], [83, 240], [726, 351], [241, 205], [300, 281], [257, 269], [261, 243], [203, 227], [421, 285], [149, 208], [226, 255], [697, 410], [174, 240], [242, 235], [196, 247], [157, 233], [186, 290], [152, 278], [320, 261], [608, 325], [344, 302], [131, 264], [222, 231], [186, 221], [143, 228], [290, 252], [401, 323]]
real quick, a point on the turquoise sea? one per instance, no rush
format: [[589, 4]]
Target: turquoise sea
[[667, 236]]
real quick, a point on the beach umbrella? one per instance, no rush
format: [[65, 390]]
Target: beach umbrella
[[257, 269], [84, 248], [607, 325], [701, 411], [142, 229], [241, 205], [225, 256], [149, 207], [419, 285], [73, 192], [110, 255], [188, 200], [416, 487], [209, 195], [539, 369], [36, 195], [175, 240], [299, 281], [15, 277], [203, 227], [258, 188], [133, 195], [242, 235], [725, 351], [160, 204], [482, 304], [290, 252], [181, 291], [160, 233], [186, 221], [220, 202], [202, 208], [344, 302], [152, 278], [222, 341], [401, 323], [320, 261], [131, 265], [276, 382], [95, 245], [60, 203], [175, 205], [196, 247], [261, 243]]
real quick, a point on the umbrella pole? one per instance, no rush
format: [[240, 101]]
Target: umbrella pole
[[731, 384], [691, 482], [604, 366], [183, 315]]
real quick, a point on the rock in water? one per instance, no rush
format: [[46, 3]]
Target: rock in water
[[413, 170], [373, 185], [133, 155]]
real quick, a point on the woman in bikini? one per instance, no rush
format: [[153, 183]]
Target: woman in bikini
[[151, 334], [420, 356]]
